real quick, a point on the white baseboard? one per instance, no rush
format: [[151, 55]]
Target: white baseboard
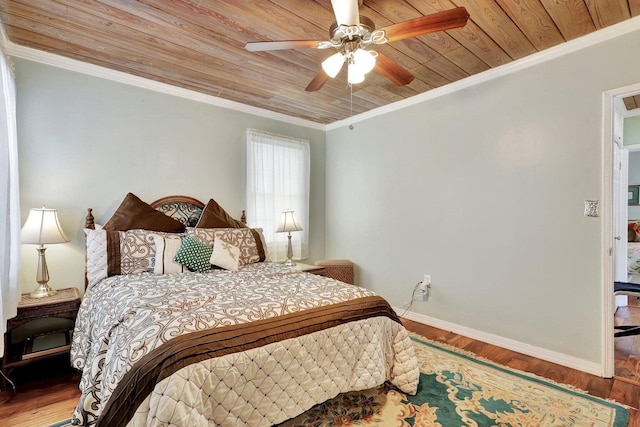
[[520, 347]]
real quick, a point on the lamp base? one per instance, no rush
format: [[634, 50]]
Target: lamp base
[[43, 290], [289, 262], [42, 276]]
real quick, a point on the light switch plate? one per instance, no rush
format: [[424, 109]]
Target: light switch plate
[[591, 208]]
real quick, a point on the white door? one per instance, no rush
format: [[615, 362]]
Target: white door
[[620, 182], [620, 213]]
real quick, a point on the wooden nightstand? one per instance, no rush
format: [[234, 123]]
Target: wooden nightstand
[[313, 269], [339, 269], [38, 318]]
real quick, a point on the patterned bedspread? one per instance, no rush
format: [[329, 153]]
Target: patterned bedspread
[[126, 319]]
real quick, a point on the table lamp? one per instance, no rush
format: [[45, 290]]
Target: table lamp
[[42, 227], [288, 224]]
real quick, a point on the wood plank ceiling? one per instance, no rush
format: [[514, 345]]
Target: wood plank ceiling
[[199, 44], [631, 102]]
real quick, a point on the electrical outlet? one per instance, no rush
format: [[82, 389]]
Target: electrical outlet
[[422, 287], [425, 285]]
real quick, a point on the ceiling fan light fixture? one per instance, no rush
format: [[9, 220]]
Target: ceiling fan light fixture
[[364, 60], [354, 74], [333, 64], [352, 34]]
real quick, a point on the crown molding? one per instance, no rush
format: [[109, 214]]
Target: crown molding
[[591, 39], [59, 61], [574, 45]]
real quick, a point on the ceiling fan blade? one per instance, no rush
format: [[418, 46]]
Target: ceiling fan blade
[[317, 82], [346, 12], [280, 45], [440, 21], [391, 70]]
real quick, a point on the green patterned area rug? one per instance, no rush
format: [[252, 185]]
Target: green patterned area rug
[[458, 389]]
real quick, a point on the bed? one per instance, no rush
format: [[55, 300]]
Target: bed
[[254, 343]]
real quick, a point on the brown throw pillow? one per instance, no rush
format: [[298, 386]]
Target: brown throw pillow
[[134, 213], [213, 216]]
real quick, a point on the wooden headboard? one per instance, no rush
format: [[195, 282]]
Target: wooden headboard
[[185, 209]]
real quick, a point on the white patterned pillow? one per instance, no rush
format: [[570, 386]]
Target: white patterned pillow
[[249, 240], [96, 241], [137, 251], [225, 255], [111, 253], [245, 240], [205, 235], [166, 249]]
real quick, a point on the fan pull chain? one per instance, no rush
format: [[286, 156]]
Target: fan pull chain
[[351, 99]]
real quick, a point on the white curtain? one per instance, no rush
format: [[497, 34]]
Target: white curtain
[[9, 200], [278, 180]]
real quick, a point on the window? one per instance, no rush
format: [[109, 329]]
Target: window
[[278, 180]]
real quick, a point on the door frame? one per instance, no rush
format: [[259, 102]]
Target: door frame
[[607, 231]]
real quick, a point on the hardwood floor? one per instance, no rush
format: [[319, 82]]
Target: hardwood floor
[[50, 394], [46, 394], [627, 349]]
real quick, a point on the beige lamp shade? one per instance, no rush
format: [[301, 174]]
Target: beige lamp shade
[[288, 223], [42, 228]]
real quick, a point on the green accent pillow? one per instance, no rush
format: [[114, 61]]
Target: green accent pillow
[[194, 254]]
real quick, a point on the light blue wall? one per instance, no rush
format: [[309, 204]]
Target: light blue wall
[[85, 142], [632, 137], [484, 189], [634, 177]]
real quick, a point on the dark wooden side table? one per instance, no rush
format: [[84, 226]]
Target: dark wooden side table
[[39, 317], [339, 269], [313, 269]]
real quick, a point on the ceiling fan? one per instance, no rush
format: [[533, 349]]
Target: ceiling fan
[[351, 34]]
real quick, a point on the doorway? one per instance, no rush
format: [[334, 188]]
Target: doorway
[[614, 213]]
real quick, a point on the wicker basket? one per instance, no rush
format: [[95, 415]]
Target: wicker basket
[[339, 269]]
